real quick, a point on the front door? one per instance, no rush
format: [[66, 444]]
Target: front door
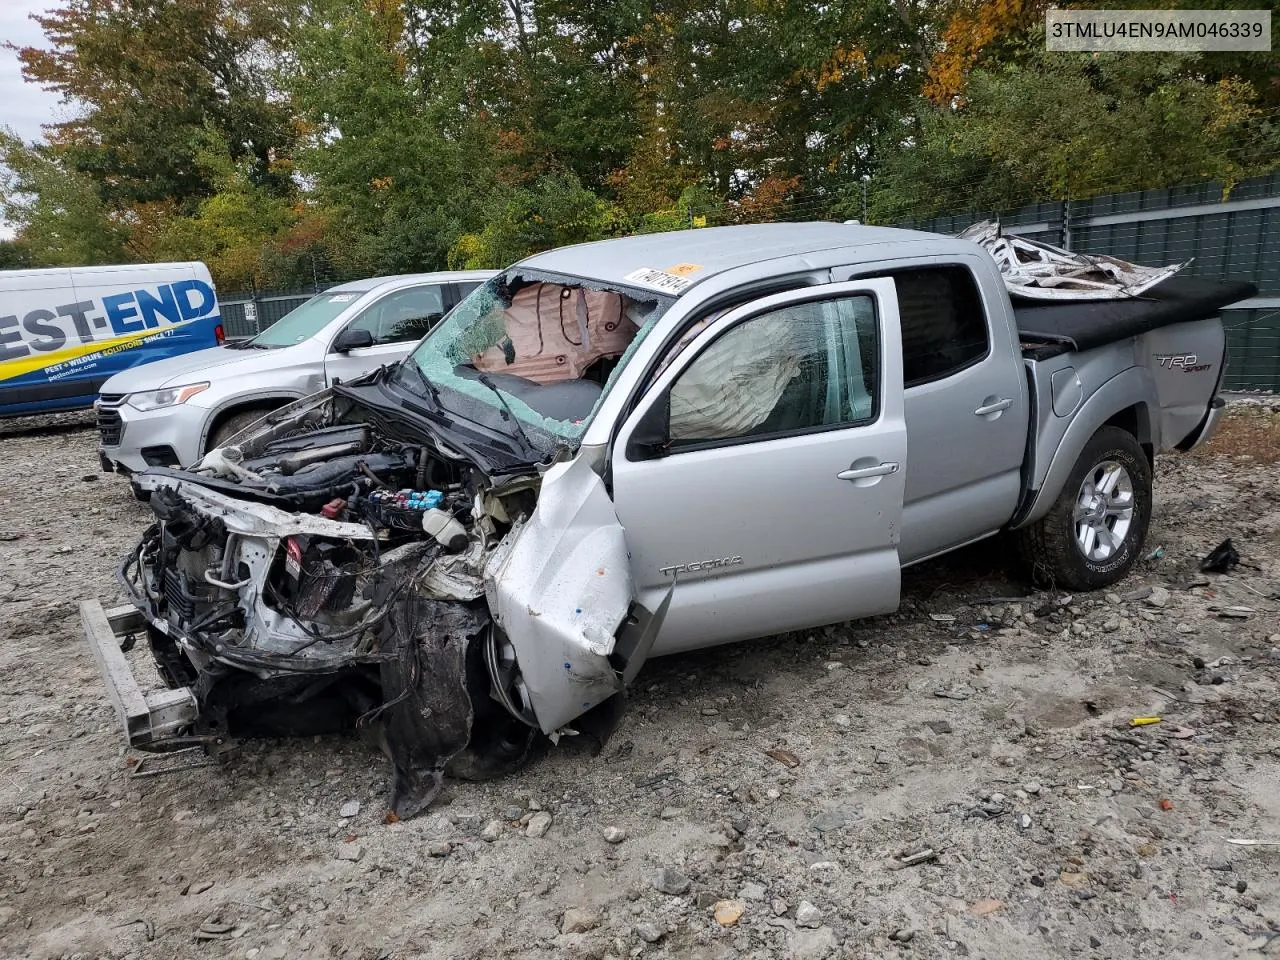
[[395, 323], [764, 468]]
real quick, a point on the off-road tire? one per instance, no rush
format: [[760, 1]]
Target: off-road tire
[[1049, 548]]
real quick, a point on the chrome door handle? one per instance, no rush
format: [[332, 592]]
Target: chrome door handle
[[990, 408], [862, 473]]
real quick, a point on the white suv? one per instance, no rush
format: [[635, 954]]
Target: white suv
[[169, 413]]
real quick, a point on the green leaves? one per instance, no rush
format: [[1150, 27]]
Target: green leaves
[[1062, 126], [282, 141], [60, 218], [554, 211]]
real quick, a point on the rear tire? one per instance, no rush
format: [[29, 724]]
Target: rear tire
[[1093, 534]]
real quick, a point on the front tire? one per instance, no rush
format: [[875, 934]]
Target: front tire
[[1093, 534], [233, 425]]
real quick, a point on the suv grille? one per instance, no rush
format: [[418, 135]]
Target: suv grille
[[110, 427]]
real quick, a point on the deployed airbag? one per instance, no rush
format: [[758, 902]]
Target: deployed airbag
[[555, 332]]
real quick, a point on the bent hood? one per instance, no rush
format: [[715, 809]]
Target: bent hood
[[191, 367]]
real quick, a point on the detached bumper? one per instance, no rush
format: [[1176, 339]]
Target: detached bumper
[[150, 719]]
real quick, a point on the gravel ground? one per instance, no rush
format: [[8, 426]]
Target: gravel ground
[[753, 802]]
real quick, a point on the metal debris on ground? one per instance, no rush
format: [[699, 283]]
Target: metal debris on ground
[[1143, 721], [176, 761]]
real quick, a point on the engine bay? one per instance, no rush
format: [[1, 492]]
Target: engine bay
[[323, 575]]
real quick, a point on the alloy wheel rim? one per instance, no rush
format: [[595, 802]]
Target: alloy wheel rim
[[1103, 511]]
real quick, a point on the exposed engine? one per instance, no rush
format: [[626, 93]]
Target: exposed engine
[[321, 576]]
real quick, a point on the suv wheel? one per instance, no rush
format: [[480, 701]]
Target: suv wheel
[[232, 425]]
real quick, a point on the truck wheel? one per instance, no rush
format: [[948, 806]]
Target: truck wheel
[[1093, 533], [232, 425]]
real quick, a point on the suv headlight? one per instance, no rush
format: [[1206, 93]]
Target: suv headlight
[[168, 397]]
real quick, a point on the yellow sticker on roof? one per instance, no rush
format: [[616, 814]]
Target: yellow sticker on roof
[[658, 280], [683, 269]]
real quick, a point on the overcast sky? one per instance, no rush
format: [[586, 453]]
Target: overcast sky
[[23, 106]]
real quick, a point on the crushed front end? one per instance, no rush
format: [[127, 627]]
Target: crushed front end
[[341, 568]]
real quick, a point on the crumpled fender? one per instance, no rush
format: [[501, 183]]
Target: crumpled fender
[[560, 589]]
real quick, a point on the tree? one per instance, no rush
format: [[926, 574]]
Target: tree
[[1075, 125], [59, 215], [15, 255], [149, 77], [236, 230], [374, 144], [553, 212], [978, 32]]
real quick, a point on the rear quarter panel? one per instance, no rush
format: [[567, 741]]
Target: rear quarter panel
[[1167, 378], [1187, 363], [1075, 395]]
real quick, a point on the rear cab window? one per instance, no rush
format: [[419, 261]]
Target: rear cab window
[[944, 325]]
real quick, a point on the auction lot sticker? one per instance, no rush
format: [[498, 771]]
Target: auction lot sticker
[[658, 279]]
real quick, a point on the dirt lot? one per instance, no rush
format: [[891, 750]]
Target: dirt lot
[[994, 731]]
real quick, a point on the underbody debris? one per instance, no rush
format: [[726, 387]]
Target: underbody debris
[[1038, 271]]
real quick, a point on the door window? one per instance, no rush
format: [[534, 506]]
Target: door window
[[799, 368], [404, 316], [944, 328]]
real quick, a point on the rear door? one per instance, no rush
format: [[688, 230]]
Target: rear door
[[396, 322], [966, 409], [764, 469]]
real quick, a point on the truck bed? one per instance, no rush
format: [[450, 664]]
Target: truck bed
[[1049, 328]]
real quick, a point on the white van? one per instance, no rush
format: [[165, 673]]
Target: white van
[[64, 331]]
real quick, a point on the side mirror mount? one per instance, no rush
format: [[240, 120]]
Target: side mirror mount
[[651, 437], [350, 339]]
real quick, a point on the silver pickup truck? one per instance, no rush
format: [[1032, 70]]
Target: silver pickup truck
[[635, 447]]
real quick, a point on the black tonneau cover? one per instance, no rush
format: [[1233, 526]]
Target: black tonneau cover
[[1084, 324]]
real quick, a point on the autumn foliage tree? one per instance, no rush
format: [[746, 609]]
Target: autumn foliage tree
[[151, 76], [293, 141]]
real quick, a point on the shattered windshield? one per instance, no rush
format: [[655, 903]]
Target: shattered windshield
[[542, 349]]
